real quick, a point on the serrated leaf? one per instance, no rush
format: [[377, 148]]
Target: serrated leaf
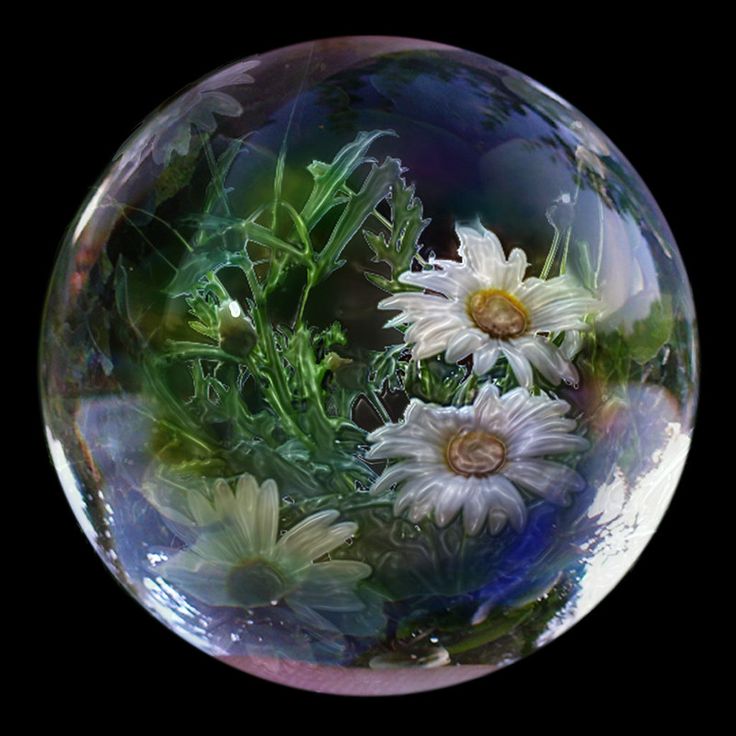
[[375, 188], [407, 226], [329, 178], [203, 329], [197, 264], [651, 333]]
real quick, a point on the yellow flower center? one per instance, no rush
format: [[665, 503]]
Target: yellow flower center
[[498, 313], [475, 452]]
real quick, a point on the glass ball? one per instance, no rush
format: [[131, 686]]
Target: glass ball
[[369, 366]]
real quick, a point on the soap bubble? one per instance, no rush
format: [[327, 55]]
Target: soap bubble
[[369, 365]]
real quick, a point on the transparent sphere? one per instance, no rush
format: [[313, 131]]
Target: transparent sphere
[[369, 366]]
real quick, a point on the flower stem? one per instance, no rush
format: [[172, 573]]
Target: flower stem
[[375, 401], [599, 254], [551, 254]]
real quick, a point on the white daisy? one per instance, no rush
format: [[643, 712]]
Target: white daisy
[[472, 458], [239, 559], [486, 308]]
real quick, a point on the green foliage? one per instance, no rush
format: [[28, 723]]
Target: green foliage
[[434, 380], [205, 320], [387, 368], [330, 179], [402, 245], [624, 354], [276, 400], [650, 334], [376, 187]]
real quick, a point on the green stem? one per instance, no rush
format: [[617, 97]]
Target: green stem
[[303, 299], [377, 404], [568, 232], [262, 235], [368, 505], [186, 350], [599, 254], [551, 254], [384, 221], [273, 371]]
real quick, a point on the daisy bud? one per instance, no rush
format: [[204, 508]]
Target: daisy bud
[[237, 333]]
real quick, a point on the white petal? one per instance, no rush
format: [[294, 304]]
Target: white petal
[[203, 579], [482, 250], [519, 365], [417, 491], [257, 510], [487, 396], [475, 510], [326, 599], [404, 445], [553, 481], [338, 572], [500, 494], [485, 358], [392, 475], [454, 280], [514, 272], [571, 344], [549, 361], [464, 342], [548, 443], [449, 501], [428, 330], [328, 585], [496, 521], [522, 412], [298, 545], [423, 506]]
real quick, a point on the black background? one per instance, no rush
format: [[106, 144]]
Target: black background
[[645, 648]]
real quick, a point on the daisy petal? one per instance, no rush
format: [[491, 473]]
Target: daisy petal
[[301, 540], [393, 475], [546, 444], [328, 585], [475, 509], [519, 365], [453, 280], [496, 521], [485, 358], [463, 343], [257, 511], [548, 360], [449, 502], [553, 481], [501, 495], [481, 250], [203, 579]]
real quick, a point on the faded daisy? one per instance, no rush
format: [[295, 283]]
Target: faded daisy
[[473, 458], [239, 559], [485, 308]]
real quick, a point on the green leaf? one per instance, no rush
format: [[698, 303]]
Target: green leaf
[[650, 334], [399, 250], [198, 264], [329, 178], [376, 187], [205, 313], [581, 264], [216, 193], [385, 369], [434, 380]]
